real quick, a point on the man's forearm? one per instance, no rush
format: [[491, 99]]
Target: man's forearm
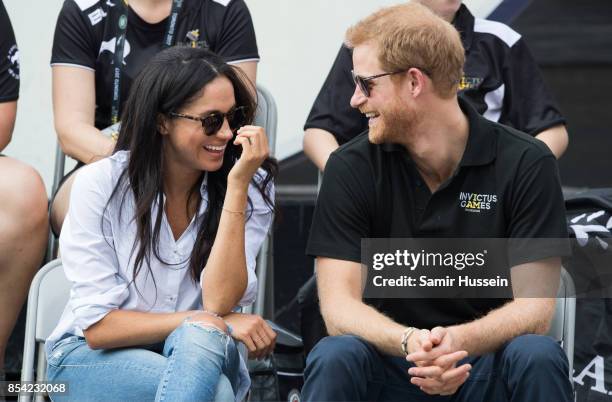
[[518, 317], [352, 317]]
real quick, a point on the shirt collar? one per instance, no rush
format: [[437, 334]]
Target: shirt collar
[[464, 23], [482, 140]]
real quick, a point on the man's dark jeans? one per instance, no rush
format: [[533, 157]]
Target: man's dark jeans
[[530, 368]]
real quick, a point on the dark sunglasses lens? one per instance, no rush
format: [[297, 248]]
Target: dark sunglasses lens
[[212, 123], [364, 86], [361, 83], [237, 118]]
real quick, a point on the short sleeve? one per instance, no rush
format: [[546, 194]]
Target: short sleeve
[[73, 41], [9, 59], [537, 211], [341, 218], [88, 255], [236, 40], [528, 106], [331, 110]]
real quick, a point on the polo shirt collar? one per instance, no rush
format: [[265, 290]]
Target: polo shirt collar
[[482, 140], [464, 23]]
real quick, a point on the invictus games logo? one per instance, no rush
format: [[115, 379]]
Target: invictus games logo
[[13, 58], [469, 83], [474, 202]]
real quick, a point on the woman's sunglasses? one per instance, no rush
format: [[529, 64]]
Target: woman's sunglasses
[[236, 118]]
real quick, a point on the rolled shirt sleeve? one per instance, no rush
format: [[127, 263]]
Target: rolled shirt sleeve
[[88, 254]]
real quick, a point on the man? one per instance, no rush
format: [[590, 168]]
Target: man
[[23, 202], [502, 81], [404, 178]]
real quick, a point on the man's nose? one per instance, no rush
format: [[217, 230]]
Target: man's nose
[[358, 97]]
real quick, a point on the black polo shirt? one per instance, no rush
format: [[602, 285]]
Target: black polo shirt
[[86, 33], [501, 80], [9, 59], [373, 190]]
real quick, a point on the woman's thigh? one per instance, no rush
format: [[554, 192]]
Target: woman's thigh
[[129, 374]]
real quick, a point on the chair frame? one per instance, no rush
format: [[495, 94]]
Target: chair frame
[[41, 307], [563, 325]]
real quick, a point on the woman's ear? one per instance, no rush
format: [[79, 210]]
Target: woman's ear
[[162, 124]]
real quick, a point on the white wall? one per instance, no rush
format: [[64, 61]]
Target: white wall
[[297, 39]]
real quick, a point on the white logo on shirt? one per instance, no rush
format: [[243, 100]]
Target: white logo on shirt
[[96, 16], [109, 46], [13, 57]]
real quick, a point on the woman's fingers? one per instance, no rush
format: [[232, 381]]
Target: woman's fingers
[[255, 150]]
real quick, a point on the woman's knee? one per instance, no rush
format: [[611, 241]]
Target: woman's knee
[[24, 197], [206, 320], [200, 331]]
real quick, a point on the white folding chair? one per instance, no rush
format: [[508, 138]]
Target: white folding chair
[[265, 117], [563, 325], [48, 296]]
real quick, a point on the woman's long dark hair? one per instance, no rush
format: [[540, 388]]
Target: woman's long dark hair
[[170, 81]]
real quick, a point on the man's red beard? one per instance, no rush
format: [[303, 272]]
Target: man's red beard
[[393, 125]]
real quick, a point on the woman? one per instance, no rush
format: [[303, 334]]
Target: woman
[[160, 242], [96, 41]]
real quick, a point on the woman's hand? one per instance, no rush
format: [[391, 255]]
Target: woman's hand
[[255, 150], [254, 332]]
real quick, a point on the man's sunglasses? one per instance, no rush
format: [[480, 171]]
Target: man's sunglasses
[[364, 86], [212, 123]]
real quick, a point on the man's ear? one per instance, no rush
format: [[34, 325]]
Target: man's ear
[[162, 124], [416, 80]]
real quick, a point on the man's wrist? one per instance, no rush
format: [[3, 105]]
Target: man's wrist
[[459, 337], [406, 335]]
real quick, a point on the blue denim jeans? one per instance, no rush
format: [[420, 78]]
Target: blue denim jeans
[[198, 363]]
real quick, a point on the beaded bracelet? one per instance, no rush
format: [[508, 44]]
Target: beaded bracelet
[[407, 332]]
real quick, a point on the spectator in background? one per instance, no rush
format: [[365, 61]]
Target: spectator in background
[[501, 80], [88, 45], [23, 206], [160, 242]]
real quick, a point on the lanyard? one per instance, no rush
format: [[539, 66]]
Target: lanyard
[[120, 44]]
